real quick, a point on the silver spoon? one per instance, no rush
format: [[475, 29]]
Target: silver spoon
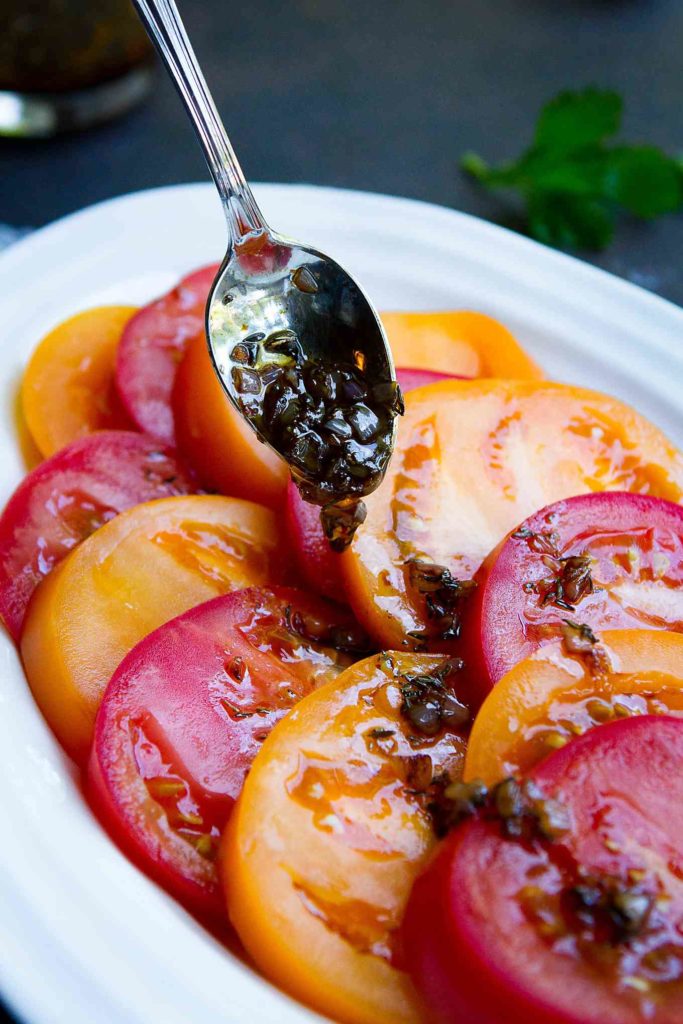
[[298, 347]]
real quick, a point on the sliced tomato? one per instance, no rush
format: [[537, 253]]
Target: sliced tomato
[[68, 387], [153, 345], [413, 377], [463, 343], [185, 714], [216, 440], [331, 829], [318, 564], [473, 459], [613, 560], [146, 566], [569, 687], [71, 495], [580, 930]]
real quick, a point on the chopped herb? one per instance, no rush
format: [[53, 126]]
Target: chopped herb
[[442, 595], [340, 522], [522, 809], [418, 772], [381, 734], [303, 279], [572, 582], [578, 639], [545, 542], [429, 705], [605, 903], [347, 638]]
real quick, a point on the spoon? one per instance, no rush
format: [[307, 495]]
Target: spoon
[[297, 345]]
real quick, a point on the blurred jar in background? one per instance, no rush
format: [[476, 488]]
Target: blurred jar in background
[[68, 64]]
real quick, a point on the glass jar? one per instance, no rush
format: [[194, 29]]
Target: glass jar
[[67, 64]]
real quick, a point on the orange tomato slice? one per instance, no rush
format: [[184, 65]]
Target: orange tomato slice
[[547, 699], [328, 836], [68, 386], [141, 569], [473, 459], [215, 439], [463, 343]]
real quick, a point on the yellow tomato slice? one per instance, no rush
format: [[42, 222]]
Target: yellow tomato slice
[[463, 343], [474, 459], [141, 569], [327, 837], [215, 438], [68, 388], [553, 696]]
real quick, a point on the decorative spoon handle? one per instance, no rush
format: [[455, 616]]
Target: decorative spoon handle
[[166, 30]]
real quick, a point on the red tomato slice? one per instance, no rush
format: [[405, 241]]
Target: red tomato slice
[[585, 929], [315, 560], [185, 714], [318, 563], [414, 377], [70, 495], [612, 560], [151, 348]]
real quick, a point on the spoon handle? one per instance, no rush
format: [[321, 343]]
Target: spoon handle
[[166, 30]]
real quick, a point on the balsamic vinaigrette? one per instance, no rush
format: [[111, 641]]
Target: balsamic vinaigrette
[[334, 428], [332, 424]]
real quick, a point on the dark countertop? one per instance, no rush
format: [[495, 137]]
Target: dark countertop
[[385, 96]]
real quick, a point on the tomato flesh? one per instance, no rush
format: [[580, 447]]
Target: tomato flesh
[[612, 560], [185, 714], [71, 495], [472, 460], [151, 348], [500, 929], [548, 699], [328, 834]]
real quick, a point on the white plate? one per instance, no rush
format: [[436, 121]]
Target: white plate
[[85, 938]]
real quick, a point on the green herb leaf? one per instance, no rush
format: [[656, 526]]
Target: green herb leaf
[[576, 119], [570, 222], [644, 181], [573, 182]]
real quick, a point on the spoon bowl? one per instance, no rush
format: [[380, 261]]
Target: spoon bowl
[[301, 352]]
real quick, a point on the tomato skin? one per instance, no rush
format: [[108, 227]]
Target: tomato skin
[[67, 390], [151, 348], [463, 343], [474, 950], [67, 497], [635, 542], [215, 439], [191, 705], [450, 496], [144, 567]]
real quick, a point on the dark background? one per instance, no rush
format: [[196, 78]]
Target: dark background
[[383, 95]]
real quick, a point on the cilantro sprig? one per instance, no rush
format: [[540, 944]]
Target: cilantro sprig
[[574, 183]]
